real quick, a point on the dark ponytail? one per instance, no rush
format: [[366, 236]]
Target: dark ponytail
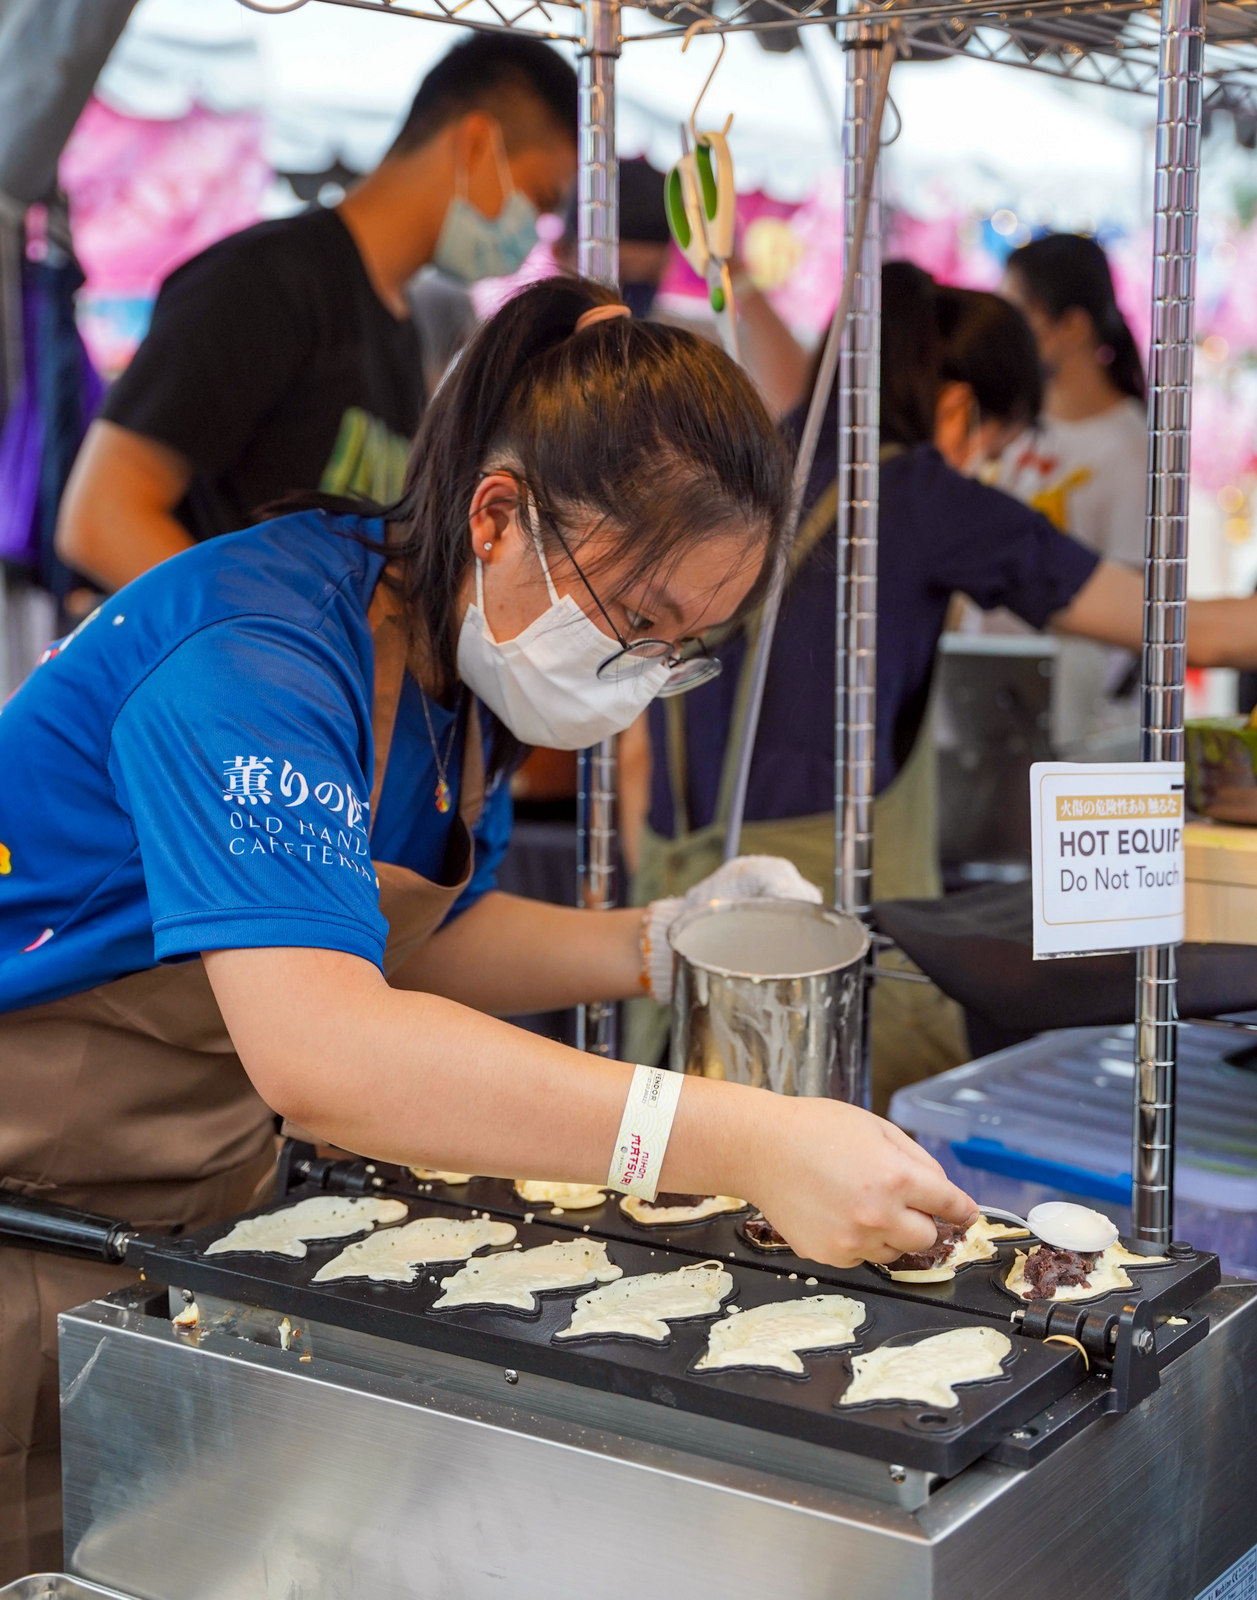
[[911, 358], [911, 355], [1064, 270], [651, 431]]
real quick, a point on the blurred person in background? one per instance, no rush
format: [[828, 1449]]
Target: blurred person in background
[[1084, 465], [285, 358], [959, 379]]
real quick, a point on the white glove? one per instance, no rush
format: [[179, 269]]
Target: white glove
[[743, 878]]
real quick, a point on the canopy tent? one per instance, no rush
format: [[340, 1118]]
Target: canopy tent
[[50, 56], [51, 52]]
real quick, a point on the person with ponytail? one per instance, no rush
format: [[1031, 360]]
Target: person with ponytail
[[1084, 464], [256, 802], [959, 380]]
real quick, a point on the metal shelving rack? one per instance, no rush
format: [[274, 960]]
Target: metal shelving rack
[[1156, 45]]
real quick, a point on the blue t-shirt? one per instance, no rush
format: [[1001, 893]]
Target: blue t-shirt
[[939, 533], [191, 770]]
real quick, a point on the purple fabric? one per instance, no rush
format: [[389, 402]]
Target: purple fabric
[[21, 449], [44, 427]]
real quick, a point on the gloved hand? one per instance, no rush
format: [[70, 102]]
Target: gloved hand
[[743, 878]]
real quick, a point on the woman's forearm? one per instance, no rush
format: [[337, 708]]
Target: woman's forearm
[[416, 1078], [411, 1078], [770, 353], [511, 957], [1109, 607]]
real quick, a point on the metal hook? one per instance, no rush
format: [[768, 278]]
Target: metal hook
[[705, 24]]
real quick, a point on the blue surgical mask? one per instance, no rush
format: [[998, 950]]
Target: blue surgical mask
[[472, 246]]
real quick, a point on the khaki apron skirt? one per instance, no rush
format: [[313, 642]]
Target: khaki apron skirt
[[130, 1100]]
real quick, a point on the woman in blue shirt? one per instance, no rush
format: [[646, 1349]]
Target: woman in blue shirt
[[254, 808]]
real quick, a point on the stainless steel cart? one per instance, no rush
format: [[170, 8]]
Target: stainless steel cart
[[365, 1461]]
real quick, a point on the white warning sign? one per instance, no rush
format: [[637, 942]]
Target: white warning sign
[[1107, 856]]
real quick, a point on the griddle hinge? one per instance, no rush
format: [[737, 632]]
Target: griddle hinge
[[302, 1167], [1120, 1345]]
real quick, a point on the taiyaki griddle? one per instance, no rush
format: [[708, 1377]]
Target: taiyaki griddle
[[804, 1408]]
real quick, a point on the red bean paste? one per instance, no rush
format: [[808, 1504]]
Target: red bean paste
[[1049, 1269]]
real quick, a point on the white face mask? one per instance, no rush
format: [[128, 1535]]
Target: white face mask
[[544, 684]]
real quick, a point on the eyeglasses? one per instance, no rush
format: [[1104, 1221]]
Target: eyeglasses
[[687, 668]]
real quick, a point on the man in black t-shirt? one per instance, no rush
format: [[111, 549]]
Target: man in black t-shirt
[[284, 358]]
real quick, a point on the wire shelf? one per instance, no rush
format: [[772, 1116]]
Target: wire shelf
[[556, 20], [1108, 42]]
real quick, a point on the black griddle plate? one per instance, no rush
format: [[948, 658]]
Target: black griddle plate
[[977, 1289], [915, 1435]]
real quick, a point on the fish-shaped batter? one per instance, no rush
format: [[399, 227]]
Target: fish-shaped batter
[[396, 1254], [435, 1175], [516, 1277], [926, 1373], [675, 1210], [772, 1335], [562, 1196], [641, 1307], [324, 1216]]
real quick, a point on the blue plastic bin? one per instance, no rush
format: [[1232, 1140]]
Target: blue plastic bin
[[1053, 1118]]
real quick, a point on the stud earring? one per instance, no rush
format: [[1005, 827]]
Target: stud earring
[[488, 547]]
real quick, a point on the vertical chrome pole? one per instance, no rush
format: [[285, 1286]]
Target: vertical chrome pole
[[859, 407], [1165, 581], [598, 246]]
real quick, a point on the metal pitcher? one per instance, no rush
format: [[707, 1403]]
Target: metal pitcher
[[770, 993]]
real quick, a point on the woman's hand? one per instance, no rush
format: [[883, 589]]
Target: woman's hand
[[844, 1186], [743, 878]]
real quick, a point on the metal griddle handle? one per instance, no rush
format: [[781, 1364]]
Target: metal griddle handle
[[39, 1225]]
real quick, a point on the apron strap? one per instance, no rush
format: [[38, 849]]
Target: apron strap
[[471, 790], [741, 699], [389, 639], [678, 765], [392, 653]]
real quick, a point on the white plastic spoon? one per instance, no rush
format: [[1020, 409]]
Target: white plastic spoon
[[1063, 1224]]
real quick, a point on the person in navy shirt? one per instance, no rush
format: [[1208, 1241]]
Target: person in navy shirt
[[253, 808], [959, 378]]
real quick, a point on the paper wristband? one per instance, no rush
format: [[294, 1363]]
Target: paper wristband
[[644, 1130]]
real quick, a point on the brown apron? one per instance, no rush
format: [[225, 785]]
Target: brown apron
[[130, 1100]]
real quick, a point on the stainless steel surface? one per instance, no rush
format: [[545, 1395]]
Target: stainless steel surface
[[1165, 579], [598, 254], [56, 1586], [626, 1417], [810, 438], [796, 1034], [233, 1469]]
